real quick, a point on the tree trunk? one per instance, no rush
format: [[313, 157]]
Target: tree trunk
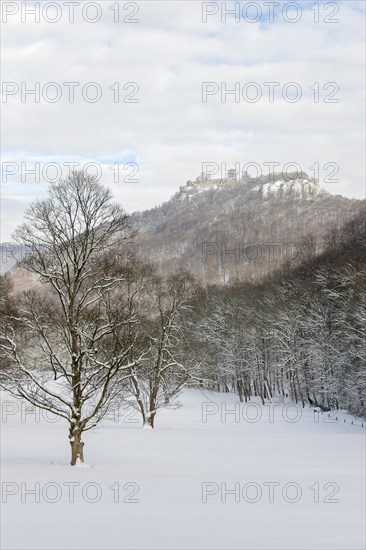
[[240, 390], [149, 420], [77, 452]]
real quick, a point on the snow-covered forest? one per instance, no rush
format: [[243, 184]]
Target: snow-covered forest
[[302, 332]]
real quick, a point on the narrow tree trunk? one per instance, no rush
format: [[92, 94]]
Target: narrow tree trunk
[[299, 388], [77, 452], [149, 420], [139, 399], [240, 390]]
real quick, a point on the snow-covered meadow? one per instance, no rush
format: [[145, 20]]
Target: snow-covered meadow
[[213, 474]]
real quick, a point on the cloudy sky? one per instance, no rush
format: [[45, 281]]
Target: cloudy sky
[[149, 62]]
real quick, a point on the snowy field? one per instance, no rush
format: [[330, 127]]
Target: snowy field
[[203, 479]]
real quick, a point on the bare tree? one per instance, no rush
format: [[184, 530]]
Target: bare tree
[[68, 343], [167, 362]]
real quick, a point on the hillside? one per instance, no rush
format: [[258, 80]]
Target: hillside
[[236, 230], [232, 230]]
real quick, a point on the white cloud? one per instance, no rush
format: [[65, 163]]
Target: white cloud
[[170, 132]]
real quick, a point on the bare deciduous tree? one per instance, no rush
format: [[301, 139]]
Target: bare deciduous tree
[[166, 362], [67, 345]]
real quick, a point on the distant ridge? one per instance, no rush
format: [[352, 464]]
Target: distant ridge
[[237, 229]]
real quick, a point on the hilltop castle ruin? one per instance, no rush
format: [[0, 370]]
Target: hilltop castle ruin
[[205, 181]]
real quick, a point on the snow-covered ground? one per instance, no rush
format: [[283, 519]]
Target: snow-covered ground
[[204, 478]]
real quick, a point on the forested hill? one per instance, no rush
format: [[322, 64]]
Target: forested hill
[[227, 230]]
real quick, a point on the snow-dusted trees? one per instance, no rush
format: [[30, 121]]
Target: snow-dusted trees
[[354, 338], [68, 344], [5, 295], [239, 342], [300, 334], [165, 363], [6, 309], [225, 329]]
